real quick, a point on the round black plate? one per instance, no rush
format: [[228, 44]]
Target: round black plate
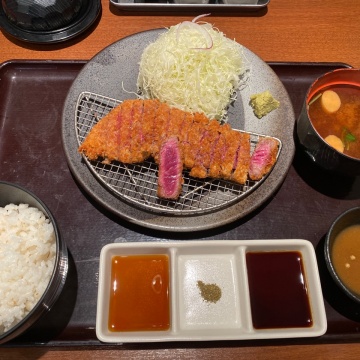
[[113, 73], [89, 12]]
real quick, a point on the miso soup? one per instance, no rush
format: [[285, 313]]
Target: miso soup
[[343, 125], [346, 257]]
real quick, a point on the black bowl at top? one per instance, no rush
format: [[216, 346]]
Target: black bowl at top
[[343, 221], [15, 194], [41, 15], [47, 21]]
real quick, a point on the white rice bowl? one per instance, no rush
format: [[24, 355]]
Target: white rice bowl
[[27, 258]]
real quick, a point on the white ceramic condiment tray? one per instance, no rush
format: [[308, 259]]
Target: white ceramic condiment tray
[[213, 262]]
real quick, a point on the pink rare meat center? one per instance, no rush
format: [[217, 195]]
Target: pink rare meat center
[[263, 158], [170, 169], [260, 157]]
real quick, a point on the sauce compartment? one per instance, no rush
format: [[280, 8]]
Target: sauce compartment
[[214, 266], [139, 293], [278, 290], [212, 292]]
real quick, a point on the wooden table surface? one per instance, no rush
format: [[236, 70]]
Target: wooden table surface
[[294, 31]]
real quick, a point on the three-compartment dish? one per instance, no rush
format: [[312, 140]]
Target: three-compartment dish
[[209, 290]]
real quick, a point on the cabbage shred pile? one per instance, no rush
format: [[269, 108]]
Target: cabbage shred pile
[[193, 67]]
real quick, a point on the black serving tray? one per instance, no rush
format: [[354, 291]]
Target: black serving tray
[[32, 94]]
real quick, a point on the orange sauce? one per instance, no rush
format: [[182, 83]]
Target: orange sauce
[[139, 297], [345, 256]]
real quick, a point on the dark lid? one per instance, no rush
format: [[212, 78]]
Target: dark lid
[[47, 21]]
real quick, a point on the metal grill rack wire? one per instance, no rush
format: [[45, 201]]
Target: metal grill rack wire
[[137, 183]]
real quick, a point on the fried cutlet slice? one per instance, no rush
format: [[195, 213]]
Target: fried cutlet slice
[[242, 160], [218, 154], [184, 137], [187, 124], [125, 124], [213, 132], [202, 161], [199, 170], [193, 140], [160, 126], [148, 125], [176, 120], [94, 146], [137, 134], [232, 139], [195, 132]]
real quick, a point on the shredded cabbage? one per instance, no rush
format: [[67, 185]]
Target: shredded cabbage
[[193, 67]]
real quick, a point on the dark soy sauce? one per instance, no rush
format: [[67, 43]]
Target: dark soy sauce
[[278, 290]]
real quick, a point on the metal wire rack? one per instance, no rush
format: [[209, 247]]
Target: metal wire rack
[[137, 184]]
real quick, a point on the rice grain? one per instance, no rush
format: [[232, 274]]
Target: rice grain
[[27, 258]]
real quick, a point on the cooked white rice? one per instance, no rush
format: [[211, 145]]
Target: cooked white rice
[[27, 256]]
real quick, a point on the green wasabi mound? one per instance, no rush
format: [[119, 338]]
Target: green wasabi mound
[[263, 103]]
